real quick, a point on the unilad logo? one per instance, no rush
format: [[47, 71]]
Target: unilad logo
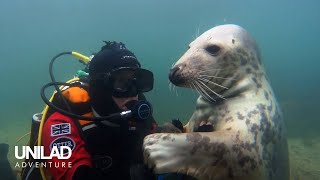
[[37, 153]]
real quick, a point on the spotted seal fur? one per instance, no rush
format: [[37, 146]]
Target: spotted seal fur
[[248, 140]]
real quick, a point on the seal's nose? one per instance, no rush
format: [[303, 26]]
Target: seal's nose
[[175, 76]]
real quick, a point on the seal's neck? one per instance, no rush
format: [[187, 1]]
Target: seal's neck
[[248, 82]]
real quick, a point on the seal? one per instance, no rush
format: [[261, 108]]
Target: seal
[[248, 139]]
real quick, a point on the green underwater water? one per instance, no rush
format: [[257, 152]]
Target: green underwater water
[[158, 32]]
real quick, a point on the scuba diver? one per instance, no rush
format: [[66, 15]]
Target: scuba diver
[[106, 149]]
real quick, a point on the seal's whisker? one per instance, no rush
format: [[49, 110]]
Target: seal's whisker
[[198, 32], [209, 70], [203, 90], [192, 89], [217, 77], [217, 73], [199, 90], [211, 90], [207, 80], [204, 93], [170, 86], [196, 88], [196, 35], [211, 99], [173, 64], [176, 90]]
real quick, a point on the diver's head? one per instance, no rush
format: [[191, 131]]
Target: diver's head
[[116, 77]]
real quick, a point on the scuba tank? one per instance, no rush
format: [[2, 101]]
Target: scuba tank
[[35, 124], [31, 172]]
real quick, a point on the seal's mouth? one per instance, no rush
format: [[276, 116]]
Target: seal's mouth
[[207, 82], [176, 77]]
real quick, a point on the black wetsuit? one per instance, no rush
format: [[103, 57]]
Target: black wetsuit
[[115, 152]]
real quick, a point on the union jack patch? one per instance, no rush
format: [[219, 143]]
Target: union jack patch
[[60, 129]]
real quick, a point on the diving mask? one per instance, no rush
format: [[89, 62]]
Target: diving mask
[[128, 81]]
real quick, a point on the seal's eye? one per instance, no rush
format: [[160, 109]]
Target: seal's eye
[[213, 50]]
